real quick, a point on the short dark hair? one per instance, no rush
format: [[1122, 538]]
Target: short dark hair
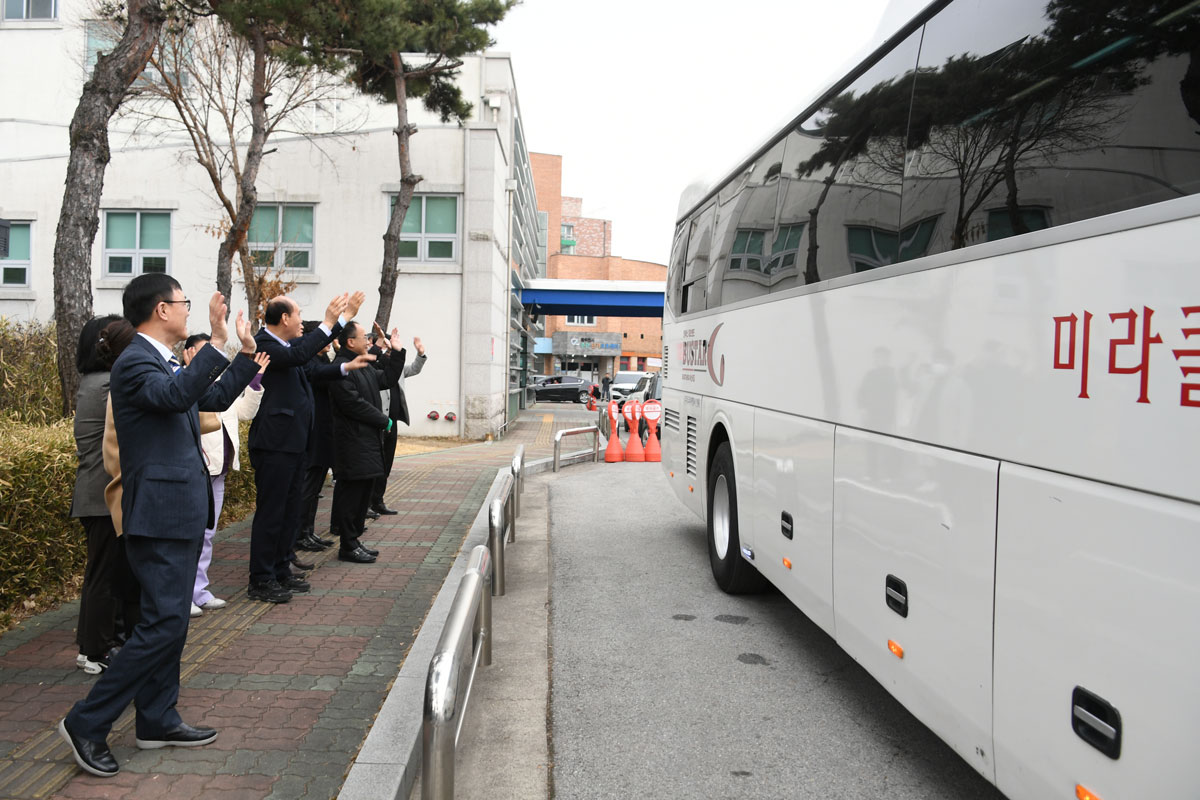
[[195, 339], [145, 292], [276, 309], [113, 340], [347, 332], [310, 325], [86, 359]]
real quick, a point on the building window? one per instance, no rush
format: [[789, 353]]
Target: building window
[[581, 320], [624, 363], [785, 248], [281, 236], [430, 229], [136, 242], [747, 250], [1000, 223], [30, 9], [14, 268], [568, 239], [103, 35]]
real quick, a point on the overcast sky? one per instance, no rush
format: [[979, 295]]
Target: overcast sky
[[643, 97]]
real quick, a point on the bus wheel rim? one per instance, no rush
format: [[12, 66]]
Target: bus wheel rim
[[720, 514]]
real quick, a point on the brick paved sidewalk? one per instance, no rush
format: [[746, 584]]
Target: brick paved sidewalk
[[293, 689]]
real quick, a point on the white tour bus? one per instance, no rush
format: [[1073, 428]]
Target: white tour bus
[[932, 368]]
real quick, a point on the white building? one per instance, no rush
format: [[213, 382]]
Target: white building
[[323, 202]]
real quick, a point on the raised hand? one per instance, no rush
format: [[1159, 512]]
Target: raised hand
[[417, 344], [336, 306], [217, 309], [358, 362], [189, 353], [353, 304], [263, 360], [395, 340], [244, 334]]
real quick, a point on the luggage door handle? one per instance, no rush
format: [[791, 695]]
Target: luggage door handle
[[895, 592], [1096, 721]]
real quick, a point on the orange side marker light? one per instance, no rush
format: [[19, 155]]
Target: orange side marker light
[[672, 474], [787, 562], [896, 649], [691, 489], [1084, 794]]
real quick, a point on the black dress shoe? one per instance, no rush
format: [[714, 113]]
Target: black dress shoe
[[269, 592], [182, 735], [369, 550], [372, 514], [304, 565], [326, 542], [356, 556], [310, 543], [381, 508], [94, 757], [296, 584]]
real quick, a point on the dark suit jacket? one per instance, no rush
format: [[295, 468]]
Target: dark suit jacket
[[167, 493], [285, 416], [320, 444], [358, 418], [398, 402]]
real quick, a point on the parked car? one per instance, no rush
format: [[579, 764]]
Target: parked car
[[648, 388], [624, 383], [564, 388]]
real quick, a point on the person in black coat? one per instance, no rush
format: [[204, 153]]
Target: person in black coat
[[398, 411], [358, 427], [320, 448]]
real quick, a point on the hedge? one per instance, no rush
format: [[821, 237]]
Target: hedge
[[44, 550]]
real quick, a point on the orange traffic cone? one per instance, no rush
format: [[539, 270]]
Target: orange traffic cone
[[613, 452], [652, 410], [591, 406], [634, 450]]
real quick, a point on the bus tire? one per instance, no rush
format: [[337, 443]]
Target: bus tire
[[733, 574]]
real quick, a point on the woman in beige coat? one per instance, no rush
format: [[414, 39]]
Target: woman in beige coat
[[221, 445]]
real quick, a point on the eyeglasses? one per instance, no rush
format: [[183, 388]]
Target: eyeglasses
[[186, 303]]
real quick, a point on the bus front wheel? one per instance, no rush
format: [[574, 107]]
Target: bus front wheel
[[734, 575]]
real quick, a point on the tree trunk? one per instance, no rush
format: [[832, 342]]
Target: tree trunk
[[250, 279], [79, 219], [390, 270], [235, 239], [1011, 202], [811, 274]]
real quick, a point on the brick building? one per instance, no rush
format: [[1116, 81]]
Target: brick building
[[582, 250]]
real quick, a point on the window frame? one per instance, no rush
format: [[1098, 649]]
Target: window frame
[[424, 239], [280, 248], [136, 253], [8, 262], [25, 12], [574, 319]]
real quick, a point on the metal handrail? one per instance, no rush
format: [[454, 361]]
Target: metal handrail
[[502, 517], [558, 437], [465, 641]]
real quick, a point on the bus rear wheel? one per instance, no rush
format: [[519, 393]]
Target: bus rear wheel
[[733, 574]]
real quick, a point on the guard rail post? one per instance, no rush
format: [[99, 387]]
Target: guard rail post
[[445, 699], [518, 471], [558, 437]]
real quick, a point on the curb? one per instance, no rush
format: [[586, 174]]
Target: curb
[[389, 761]]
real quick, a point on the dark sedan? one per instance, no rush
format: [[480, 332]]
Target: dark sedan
[[564, 387]]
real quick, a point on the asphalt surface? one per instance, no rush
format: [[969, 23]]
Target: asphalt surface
[[663, 686]]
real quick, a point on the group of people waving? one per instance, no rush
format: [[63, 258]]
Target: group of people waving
[[157, 435]]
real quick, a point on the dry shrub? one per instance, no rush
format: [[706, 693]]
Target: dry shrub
[[44, 549], [29, 387], [239, 485]]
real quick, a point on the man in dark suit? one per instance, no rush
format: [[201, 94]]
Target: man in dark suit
[[397, 410], [279, 438], [167, 504], [320, 449], [358, 427]]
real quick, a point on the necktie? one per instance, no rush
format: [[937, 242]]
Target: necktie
[[174, 364]]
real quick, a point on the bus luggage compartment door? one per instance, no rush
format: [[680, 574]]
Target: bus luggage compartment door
[[914, 528], [1097, 603]]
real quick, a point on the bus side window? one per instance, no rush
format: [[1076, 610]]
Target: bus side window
[[1021, 122]]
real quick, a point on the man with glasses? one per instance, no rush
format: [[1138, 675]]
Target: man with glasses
[[279, 438], [167, 504]]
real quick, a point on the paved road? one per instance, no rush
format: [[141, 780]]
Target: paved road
[[662, 686]]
